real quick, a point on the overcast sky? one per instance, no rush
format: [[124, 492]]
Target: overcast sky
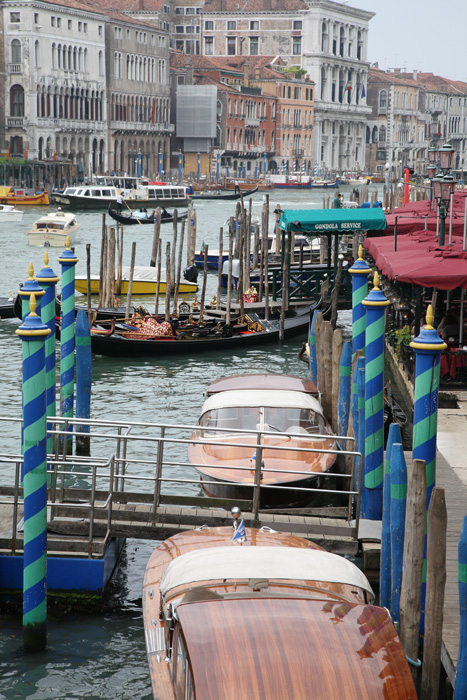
[[404, 34]]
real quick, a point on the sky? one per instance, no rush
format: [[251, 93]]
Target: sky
[[404, 34]]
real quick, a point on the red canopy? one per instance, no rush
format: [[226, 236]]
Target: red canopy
[[411, 217]]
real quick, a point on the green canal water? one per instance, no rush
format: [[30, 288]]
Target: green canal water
[[101, 655]]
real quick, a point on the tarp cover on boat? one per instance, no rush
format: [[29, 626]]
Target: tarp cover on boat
[[332, 220], [279, 563], [258, 398]]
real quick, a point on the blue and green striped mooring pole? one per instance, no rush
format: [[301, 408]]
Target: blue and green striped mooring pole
[[48, 281], [312, 350], [372, 485], [67, 261], [343, 404], [31, 286], [427, 346], [461, 671], [359, 272], [33, 334]]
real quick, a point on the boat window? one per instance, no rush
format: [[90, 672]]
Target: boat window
[[96, 193], [59, 227], [173, 192], [230, 418], [292, 420], [180, 667], [70, 190], [151, 193], [86, 193], [106, 193], [159, 194]]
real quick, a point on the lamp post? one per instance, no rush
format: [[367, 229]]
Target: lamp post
[[443, 187]]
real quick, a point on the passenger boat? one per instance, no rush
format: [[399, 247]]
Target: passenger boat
[[53, 229], [134, 218], [286, 412], [223, 194], [144, 282], [23, 196], [101, 196], [190, 336], [253, 613], [8, 212]]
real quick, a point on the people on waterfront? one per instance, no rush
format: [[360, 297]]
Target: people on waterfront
[[119, 202], [337, 200], [449, 324]]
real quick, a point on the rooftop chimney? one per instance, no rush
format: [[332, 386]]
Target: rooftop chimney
[[415, 74]]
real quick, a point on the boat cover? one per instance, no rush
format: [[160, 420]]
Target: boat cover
[[255, 398], [332, 220], [276, 563]]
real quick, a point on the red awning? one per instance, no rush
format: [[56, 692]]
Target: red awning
[[411, 217]]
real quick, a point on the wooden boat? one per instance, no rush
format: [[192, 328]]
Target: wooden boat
[[8, 212], [144, 282], [23, 196], [265, 615], [293, 184], [53, 229], [247, 185], [135, 220], [287, 412], [100, 196], [189, 337], [223, 194], [325, 183]]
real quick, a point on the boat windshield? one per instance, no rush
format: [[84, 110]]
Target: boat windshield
[[268, 419]]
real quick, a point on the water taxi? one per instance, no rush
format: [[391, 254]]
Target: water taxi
[[283, 415], [136, 192], [53, 229], [144, 282], [9, 213], [23, 196], [254, 613]]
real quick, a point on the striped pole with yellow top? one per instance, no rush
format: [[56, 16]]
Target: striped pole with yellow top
[[359, 272], [67, 261], [372, 484], [427, 347], [31, 286], [48, 281], [33, 334]]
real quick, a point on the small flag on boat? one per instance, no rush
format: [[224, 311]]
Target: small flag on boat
[[240, 533]]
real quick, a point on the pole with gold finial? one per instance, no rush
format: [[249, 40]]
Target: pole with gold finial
[[427, 346], [31, 286], [68, 262], [33, 334], [48, 281], [372, 484], [359, 272]]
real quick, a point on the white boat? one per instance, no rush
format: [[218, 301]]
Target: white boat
[[53, 229], [139, 193], [9, 213]]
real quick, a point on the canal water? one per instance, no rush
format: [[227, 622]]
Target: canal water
[[101, 655]]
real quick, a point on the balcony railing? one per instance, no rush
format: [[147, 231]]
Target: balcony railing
[[298, 152], [15, 68], [141, 126], [249, 121], [15, 121]]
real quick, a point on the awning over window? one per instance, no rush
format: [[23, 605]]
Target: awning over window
[[319, 221]]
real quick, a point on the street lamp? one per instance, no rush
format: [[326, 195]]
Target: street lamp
[[443, 187], [432, 154], [446, 157]]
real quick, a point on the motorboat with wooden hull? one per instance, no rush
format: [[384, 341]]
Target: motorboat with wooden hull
[[281, 414], [254, 613], [223, 194], [191, 338], [24, 196], [53, 229], [144, 282], [293, 185], [135, 219], [9, 213]]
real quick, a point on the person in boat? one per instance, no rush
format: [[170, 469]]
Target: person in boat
[[152, 215], [142, 214], [119, 202], [164, 213], [237, 186]]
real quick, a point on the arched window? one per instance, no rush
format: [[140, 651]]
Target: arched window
[[382, 134], [374, 135], [37, 54], [16, 101], [383, 99], [16, 51], [101, 63], [54, 56]]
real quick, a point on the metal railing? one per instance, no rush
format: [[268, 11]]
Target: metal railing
[[146, 463]]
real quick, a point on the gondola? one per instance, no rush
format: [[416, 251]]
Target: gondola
[[7, 307], [224, 194], [130, 220], [187, 337]]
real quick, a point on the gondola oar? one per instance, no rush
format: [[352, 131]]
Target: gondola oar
[[131, 212]]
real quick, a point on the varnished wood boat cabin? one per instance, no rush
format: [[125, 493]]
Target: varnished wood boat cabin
[[286, 411], [267, 616]]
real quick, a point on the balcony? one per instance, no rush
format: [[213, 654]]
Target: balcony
[[249, 121], [83, 126], [15, 122], [15, 68], [298, 152], [127, 126]]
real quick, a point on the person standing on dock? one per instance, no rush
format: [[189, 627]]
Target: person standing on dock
[[337, 201]]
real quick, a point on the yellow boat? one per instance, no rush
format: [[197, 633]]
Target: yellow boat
[[144, 282], [23, 195]]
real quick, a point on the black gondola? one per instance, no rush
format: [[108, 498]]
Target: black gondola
[[7, 307], [223, 194], [214, 336], [128, 219]]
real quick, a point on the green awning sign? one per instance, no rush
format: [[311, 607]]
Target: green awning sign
[[309, 221]]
